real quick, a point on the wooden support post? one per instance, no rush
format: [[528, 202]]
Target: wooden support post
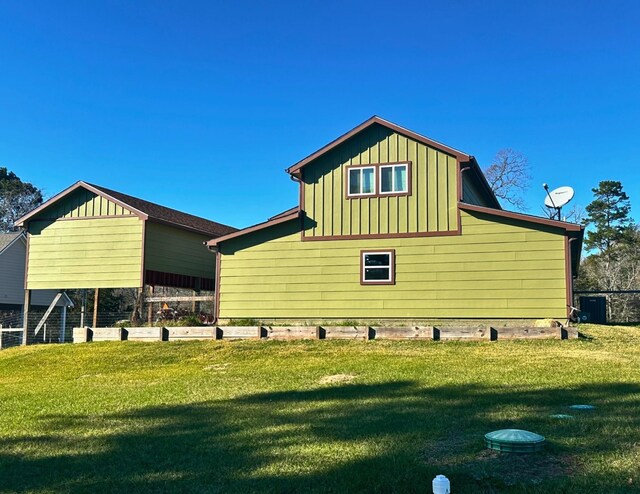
[[63, 324], [150, 307], [25, 316], [83, 308], [95, 308]]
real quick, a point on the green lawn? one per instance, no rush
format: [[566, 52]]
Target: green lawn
[[319, 416]]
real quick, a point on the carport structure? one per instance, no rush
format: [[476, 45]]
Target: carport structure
[[88, 236]]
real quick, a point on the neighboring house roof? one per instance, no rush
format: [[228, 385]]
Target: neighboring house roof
[[143, 209], [6, 239], [375, 120]]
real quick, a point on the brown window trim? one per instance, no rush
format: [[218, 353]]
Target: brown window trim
[[375, 182], [377, 193], [392, 266]]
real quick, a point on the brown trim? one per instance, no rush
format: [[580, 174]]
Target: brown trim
[[142, 254], [284, 213], [377, 194], [303, 213], [569, 271], [68, 190], [373, 236], [106, 217], [347, 169], [570, 227], [217, 286], [483, 182], [251, 229], [385, 123], [567, 275], [26, 263], [459, 171], [392, 266], [177, 280]]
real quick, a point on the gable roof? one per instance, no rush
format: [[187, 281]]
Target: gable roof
[[295, 168], [170, 216], [6, 239], [376, 120], [141, 208]]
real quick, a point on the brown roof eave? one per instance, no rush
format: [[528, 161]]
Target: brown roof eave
[[569, 227], [483, 182], [276, 220], [21, 221], [294, 169]]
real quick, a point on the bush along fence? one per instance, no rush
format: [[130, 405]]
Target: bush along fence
[[434, 333]]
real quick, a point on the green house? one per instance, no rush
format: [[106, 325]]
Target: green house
[[394, 225], [88, 236]]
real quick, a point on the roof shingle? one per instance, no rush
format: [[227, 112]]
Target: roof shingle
[[168, 215]]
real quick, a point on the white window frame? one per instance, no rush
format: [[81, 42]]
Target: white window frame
[[361, 170], [390, 266], [393, 179]]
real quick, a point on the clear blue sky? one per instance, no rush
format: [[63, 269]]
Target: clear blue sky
[[201, 105]]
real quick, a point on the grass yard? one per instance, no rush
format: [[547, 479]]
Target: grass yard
[[319, 416]]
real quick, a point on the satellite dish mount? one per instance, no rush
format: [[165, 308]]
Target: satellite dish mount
[[556, 199]]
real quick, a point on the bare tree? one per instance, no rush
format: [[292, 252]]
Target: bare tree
[[575, 214], [509, 176]]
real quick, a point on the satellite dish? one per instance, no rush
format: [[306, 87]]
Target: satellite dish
[[558, 197]]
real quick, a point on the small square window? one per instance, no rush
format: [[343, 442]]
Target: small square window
[[362, 181], [393, 179], [377, 267]]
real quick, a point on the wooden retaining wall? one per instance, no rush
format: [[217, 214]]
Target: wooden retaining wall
[[434, 333]]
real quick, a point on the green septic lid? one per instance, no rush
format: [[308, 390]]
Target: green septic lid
[[582, 407], [514, 441], [561, 416]]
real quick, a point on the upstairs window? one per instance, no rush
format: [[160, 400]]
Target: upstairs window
[[378, 180], [362, 181], [393, 179], [377, 267]]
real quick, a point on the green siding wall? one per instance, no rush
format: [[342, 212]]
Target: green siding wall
[[85, 253], [173, 250], [470, 192], [495, 269], [82, 203], [432, 206]]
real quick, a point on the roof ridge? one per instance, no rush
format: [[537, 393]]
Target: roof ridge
[[212, 227]]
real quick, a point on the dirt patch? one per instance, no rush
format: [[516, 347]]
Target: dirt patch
[[337, 378], [469, 456]]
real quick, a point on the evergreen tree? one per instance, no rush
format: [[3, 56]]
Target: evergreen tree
[[609, 215], [17, 198]]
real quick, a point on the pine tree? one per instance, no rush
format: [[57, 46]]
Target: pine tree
[[609, 215]]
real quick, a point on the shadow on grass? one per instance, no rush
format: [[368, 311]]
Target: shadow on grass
[[390, 437]]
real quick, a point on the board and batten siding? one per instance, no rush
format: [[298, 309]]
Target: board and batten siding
[[496, 269], [430, 208], [82, 203], [173, 250], [85, 253]]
